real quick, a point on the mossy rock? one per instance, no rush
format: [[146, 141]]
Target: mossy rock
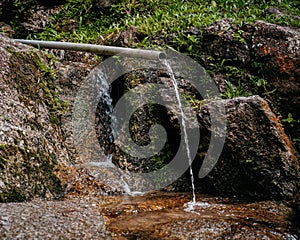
[[25, 174], [31, 143], [33, 78]]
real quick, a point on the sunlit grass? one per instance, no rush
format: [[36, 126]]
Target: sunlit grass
[[164, 20]]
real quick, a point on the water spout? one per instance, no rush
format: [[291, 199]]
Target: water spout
[[186, 140], [100, 49]]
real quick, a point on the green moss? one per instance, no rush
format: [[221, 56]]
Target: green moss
[[3, 161], [26, 172], [3, 158], [34, 78], [30, 173], [13, 195], [8, 150]]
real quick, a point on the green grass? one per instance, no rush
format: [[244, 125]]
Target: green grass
[[232, 92], [162, 22], [166, 24]]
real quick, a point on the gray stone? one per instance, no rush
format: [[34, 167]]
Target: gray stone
[[52, 220], [258, 159]]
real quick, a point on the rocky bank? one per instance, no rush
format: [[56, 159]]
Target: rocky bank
[[38, 159]]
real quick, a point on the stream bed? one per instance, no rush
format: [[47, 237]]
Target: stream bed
[[156, 215]]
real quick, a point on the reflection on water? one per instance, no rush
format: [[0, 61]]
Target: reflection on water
[[161, 215]]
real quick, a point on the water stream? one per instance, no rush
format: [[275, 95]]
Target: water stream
[[190, 206], [185, 135]]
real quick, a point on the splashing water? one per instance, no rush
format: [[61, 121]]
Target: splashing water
[[128, 190], [186, 140], [190, 206]]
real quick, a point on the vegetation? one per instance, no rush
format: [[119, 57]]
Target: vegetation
[[164, 23], [31, 169], [232, 92], [42, 78]]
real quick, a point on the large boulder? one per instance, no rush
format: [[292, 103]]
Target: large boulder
[[258, 159], [30, 137]]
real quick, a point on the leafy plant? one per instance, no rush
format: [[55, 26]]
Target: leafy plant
[[232, 92], [238, 35], [290, 120]]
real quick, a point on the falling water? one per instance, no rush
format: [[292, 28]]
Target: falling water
[[186, 140], [106, 99], [104, 94]]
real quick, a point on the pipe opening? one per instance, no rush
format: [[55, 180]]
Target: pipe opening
[[162, 56]]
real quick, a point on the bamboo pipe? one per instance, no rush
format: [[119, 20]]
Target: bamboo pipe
[[100, 49]]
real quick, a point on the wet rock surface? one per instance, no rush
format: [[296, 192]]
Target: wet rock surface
[[89, 181], [70, 76], [163, 216], [153, 216]]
